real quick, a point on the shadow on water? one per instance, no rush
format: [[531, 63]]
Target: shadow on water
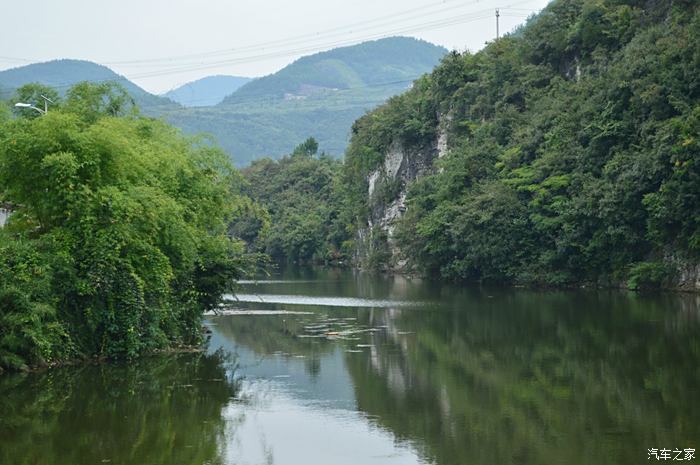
[[160, 410]]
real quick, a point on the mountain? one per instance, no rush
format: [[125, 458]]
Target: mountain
[[375, 63], [566, 154], [318, 95], [62, 74], [207, 91]]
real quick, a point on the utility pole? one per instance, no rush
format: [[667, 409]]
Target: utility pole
[[498, 13], [46, 103]]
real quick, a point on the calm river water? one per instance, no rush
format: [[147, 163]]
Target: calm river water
[[332, 368]]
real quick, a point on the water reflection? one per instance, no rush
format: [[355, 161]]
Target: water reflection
[[463, 375], [509, 376], [161, 410]]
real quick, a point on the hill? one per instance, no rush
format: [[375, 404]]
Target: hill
[[207, 91], [62, 74], [319, 95], [375, 63], [566, 153]]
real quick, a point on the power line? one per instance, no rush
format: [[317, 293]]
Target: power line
[[261, 57], [364, 25], [434, 24], [319, 36]]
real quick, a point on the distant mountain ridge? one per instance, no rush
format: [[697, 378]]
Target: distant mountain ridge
[[371, 63], [64, 73], [207, 91], [319, 95]]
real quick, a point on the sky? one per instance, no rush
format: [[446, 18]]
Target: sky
[[161, 44]]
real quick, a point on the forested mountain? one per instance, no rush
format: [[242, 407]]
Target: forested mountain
[[565, 153], [319, 96], [63, 74], [370, 64], [568, 152], [207, 91]]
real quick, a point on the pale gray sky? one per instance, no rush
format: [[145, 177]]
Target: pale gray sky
[[160, 44]]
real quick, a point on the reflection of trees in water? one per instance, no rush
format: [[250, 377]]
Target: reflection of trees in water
[[525, 377], [327, 281], [267, 335], [160, 410]]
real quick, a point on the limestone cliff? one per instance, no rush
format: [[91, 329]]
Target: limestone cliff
[[387, 190]]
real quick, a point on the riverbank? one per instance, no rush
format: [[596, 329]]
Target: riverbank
[[85, 361]]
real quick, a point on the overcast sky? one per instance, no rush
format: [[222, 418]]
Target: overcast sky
[[160, 44]]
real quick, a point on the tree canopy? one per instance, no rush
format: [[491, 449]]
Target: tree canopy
[[118, 239], [573, 150]]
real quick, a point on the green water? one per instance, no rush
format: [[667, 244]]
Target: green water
[[332, 368]]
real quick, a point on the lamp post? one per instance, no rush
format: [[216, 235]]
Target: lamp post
[[29, 105]]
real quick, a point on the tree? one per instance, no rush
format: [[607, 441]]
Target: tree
[[92, 101], [119, 239], [308, 148]]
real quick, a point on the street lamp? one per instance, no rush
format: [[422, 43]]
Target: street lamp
[[29, 105]]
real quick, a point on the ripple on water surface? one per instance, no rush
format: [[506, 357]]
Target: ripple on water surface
[[314, 300]]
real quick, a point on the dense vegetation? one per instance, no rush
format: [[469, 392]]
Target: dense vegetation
[[300, 195], [118, 240], [574, 150]]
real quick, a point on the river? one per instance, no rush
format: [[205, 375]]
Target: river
[[327, 367]]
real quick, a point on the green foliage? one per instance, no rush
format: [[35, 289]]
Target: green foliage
[[93, 101], [30, 331], [573, 149], [318, 95], [308, 148], [647, 275], [118, 240], [299, 194], [374, 62], [5, 112], [378, 253]]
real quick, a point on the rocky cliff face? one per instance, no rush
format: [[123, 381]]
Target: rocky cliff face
[[387, 189], [686, 276]]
